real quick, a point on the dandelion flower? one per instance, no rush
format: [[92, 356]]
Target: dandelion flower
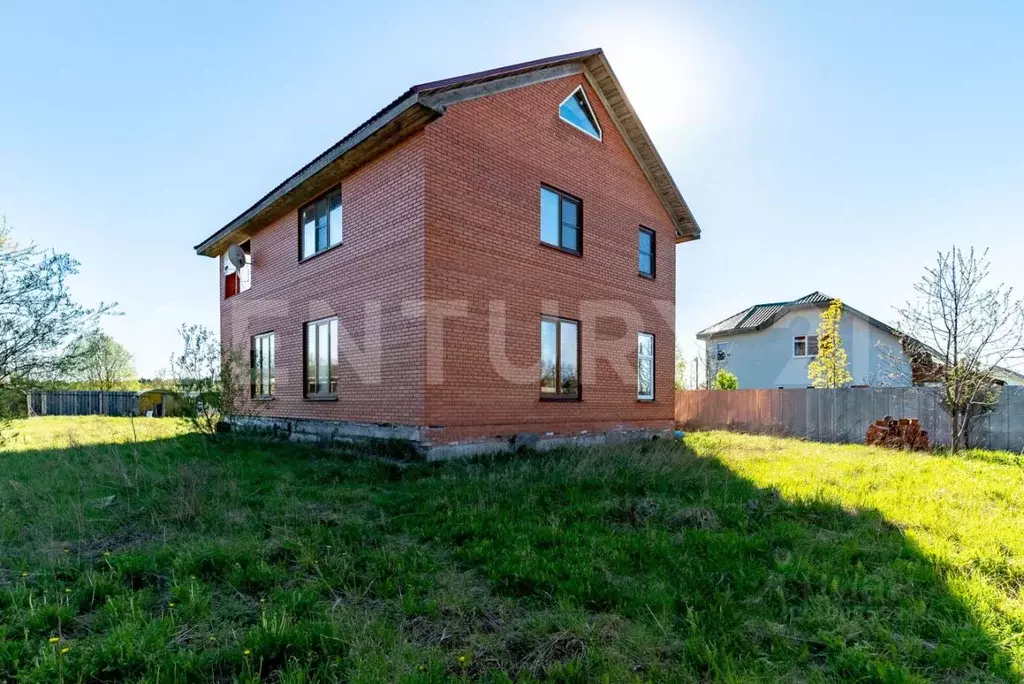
[[54, 640], [24, 574], [246, 652], [67, 590], [171, 604], [462, 659], [213, 638], [106, 553], [65, 650]]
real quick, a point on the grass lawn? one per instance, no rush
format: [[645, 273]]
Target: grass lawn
[[150, 554]]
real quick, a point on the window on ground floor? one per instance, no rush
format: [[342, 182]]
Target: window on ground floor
[[322, 358], [644, 366], [559, 358], [262, 365]]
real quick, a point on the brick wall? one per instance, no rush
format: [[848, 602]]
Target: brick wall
[[485, 162], [364, 282], [441, 234]]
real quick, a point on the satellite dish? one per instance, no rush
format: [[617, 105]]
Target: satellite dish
[[236, 255]]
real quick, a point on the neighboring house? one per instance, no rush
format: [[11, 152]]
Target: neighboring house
[[769, 346], [490, 256]]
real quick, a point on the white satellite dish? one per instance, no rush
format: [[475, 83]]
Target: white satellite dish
[[236, 255]]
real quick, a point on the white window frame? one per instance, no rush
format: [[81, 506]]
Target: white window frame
[[639, 359], [597, 125], [807, 346], [722, 347]]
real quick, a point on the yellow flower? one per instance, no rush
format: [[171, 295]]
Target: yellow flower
[[192, 576], [67, 590], [462, 659], [65, 650], [67, 551], [213, 638], [171, 604], [246, 652], [54, 640], [106, 553], [24, 574]]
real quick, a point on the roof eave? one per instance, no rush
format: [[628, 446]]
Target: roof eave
[[396, 122], [613, 97]]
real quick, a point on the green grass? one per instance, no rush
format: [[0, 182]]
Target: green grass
[[730, 558]]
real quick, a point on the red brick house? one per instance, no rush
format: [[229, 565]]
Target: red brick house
[[489, 259]]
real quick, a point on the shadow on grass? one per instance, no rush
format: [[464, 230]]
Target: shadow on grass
[[732, 580], [232, 558]]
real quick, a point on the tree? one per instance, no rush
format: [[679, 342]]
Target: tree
[[830, 369], [724, 380], [962, 328], [39, 321], [103, 363], [680, 377], [213, 382]]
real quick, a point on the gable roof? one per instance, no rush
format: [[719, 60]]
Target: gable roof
[[423, 103], [761, 316]]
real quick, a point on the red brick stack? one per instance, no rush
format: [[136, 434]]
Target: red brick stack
[[905, 433]]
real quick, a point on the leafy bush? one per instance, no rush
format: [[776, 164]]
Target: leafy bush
[[725, 380]]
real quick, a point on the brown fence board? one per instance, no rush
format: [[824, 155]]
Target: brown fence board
[[844, 415]]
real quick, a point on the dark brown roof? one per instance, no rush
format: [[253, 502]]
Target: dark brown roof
[[425, 102]]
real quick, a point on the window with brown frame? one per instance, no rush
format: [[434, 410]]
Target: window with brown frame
[[262, 365], [561, 220], [322, 358], [320, 224], [559, 358], [646, 252]]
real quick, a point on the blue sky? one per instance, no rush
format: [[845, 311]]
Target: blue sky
[[821, 146]]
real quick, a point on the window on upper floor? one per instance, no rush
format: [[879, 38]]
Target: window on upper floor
[[576, 111], [322, 359], [561, 220], [320, 224], [238, 279], [262, 365], [646, 251], [805, 345], [559, 358], [645, 366]]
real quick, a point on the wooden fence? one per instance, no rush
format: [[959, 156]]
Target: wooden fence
[[82, 403], [843, 415]]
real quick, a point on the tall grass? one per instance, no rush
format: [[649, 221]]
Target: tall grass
[[150, 554]]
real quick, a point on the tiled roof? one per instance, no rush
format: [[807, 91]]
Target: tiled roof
[[759, 316]]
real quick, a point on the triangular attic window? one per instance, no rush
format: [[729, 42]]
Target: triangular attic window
[[575, 110]]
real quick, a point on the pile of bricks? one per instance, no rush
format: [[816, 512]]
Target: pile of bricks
[[905, 433]]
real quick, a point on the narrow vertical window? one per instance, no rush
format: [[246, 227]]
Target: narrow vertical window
[[646, 252], [262, 365], [561, 220], [645, 366], [559, 358], [320, 224], [322, 358]]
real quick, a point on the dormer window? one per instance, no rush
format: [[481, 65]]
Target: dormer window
[[575, 110]]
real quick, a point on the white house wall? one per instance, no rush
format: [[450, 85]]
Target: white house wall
[[764, 360]]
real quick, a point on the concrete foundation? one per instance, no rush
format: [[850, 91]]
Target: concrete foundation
[[326, 432]]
